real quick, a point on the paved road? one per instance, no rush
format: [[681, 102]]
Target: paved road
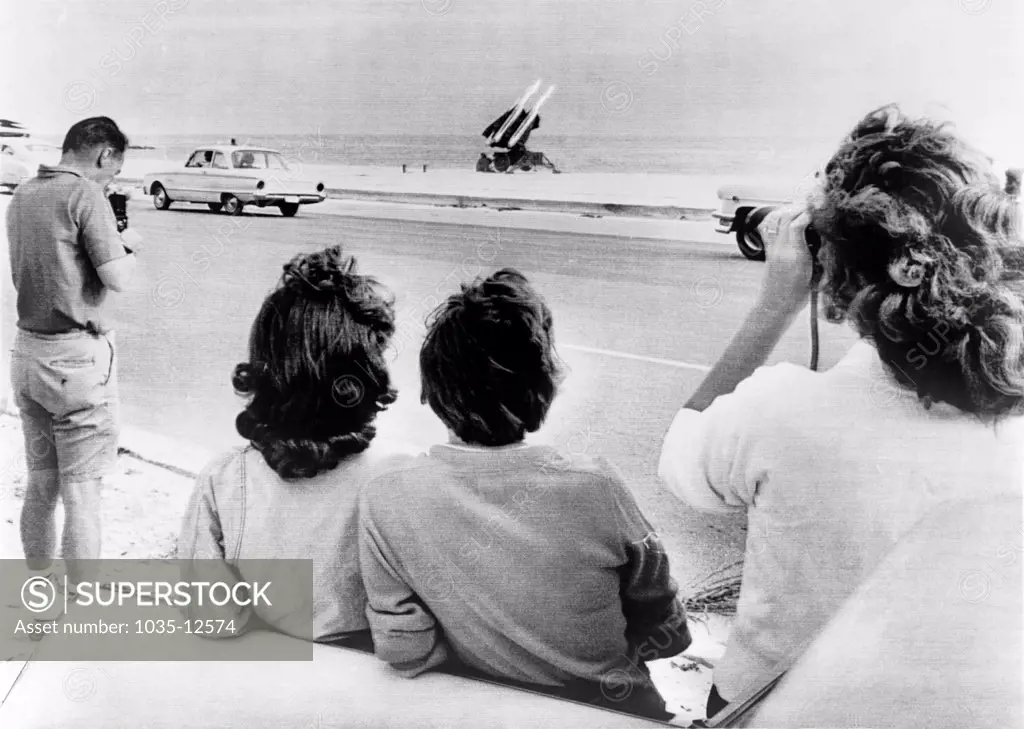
[[635, 321]]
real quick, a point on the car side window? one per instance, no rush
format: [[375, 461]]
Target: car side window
[[201, 158], [249, 160], [220, 161]]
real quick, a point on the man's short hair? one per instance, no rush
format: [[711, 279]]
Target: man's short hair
[[488, 366], [97, 131]]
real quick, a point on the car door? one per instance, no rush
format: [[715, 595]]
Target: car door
[[248, 167], [191, 184], [218, 177]]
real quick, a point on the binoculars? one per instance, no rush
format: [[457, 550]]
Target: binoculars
[[757, 216]]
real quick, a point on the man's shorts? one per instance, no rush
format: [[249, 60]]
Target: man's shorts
[[65, 386]]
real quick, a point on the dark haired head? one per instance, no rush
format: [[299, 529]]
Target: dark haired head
[[923, 253], [316, 375], [97, 131], [488, 364]]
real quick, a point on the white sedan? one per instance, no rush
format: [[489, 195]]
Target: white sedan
[[20, 159], [227, 178], [743, 207]]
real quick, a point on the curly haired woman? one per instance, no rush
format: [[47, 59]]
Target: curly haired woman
[[922, 254], [315, 381]]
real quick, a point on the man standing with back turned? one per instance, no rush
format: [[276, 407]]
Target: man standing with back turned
[[66, 254]]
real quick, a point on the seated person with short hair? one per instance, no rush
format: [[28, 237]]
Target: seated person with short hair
[[506, 559]]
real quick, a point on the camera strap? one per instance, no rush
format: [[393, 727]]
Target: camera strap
[[815, 280], [814, 330]]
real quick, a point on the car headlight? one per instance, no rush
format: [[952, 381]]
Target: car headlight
[[319, 187], [260, 185]]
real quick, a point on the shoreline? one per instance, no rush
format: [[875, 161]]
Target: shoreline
[[624, 194]]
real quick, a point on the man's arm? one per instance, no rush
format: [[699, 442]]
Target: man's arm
[[114, 263], [405, 633], [117, 275]]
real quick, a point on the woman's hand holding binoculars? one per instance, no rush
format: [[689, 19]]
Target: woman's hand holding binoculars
[[789, 265]]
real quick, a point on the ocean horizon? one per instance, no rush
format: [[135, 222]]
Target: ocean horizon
[[680, 155]]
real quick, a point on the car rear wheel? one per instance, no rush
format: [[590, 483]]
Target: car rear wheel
[[215, 207], [161, 201], [749, 240], [289, 209], [232, 205]]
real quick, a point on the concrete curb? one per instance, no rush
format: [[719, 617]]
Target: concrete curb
[[575, 207], [10, 672], [690, 232], [183, 459]]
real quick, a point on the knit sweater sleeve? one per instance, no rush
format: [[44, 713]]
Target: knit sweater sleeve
[[405, 633]]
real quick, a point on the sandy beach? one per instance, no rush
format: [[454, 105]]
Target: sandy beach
[[695, 194]]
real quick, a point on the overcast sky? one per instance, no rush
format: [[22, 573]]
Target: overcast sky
[[732, 67]]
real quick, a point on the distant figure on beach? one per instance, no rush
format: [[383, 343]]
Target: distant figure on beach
[[233, 142], [66, 256], [316, 378], [484, 164]]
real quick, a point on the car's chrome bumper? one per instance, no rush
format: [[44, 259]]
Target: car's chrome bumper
[[276, 198], [724, 222]]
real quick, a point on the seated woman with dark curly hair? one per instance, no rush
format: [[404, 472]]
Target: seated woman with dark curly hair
[[315, 381], [515, 560], [922, 253]]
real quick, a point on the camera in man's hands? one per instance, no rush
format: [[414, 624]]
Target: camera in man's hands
[[119, 204], [757, 216]]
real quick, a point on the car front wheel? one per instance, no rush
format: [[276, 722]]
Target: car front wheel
[[161, 201], [289, 209], [232, 205], [749, 240]]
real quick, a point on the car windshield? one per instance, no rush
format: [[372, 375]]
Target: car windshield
[[258, 160]]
